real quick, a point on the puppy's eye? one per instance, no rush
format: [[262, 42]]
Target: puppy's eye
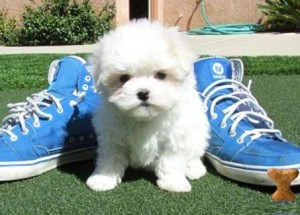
[[160, 75], [124, 78]]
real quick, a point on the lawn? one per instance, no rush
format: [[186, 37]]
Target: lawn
[[63, 190]]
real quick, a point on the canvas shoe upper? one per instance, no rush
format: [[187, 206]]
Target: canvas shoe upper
[[52, 127], [244, 142]]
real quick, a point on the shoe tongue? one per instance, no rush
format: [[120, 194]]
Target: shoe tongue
[[63, 75], [210, 70]]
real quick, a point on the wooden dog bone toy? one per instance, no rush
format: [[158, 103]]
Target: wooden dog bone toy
[[283, 179]]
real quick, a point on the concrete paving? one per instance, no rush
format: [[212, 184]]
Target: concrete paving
[[260, 44], [74, 49], [248, 45]]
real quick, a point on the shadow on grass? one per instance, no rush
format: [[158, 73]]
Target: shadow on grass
[[83, 169]]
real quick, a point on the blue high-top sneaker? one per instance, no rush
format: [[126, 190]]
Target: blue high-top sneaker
[[244, 142], [52, 127]]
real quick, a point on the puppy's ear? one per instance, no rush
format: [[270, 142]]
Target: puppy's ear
[[181, 49]]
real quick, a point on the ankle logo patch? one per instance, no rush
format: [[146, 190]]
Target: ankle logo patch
[[218, 70]]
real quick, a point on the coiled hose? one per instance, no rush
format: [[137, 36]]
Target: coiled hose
[[209, 29]]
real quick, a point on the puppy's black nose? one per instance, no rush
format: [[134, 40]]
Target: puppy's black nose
[[143, 95]]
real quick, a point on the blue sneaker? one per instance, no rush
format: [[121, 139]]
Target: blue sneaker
[[244, 143], [52, 127]]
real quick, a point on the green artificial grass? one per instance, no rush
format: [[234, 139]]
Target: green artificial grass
[[63, 190], [31, 69], [272, 65]]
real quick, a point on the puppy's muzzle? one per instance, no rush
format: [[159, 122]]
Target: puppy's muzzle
[[143, 95]]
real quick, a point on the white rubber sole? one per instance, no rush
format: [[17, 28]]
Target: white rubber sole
[[10, 171], [256, 175]]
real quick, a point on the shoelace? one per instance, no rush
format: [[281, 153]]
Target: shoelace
[[240, 96], [32, 107]]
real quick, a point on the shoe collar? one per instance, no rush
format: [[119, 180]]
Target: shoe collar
[[212, 69], [68, 75]]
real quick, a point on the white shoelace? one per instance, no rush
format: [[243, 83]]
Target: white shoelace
[[32, 107], [240, 96]]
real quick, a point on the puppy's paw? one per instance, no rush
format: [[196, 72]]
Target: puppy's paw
[[174, 184], [195, 170], [102, 182]]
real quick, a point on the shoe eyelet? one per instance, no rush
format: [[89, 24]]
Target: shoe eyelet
[[87, 78], [232, 133], [81, 138], [25, 132], [85, 87], [223, 125], [214, 116], [14, 138], [60, 110], [71, 139], [36, 124], [240, 140], [91, 135], [50, 118]]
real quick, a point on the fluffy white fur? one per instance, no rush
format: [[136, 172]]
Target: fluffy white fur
[[151, 116]]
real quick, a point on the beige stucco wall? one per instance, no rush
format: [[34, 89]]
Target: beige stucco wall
[[218, 12], [184, 13], [16, 7]]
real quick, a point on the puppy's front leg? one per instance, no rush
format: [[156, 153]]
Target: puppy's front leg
[[111, 164], [171, 173]]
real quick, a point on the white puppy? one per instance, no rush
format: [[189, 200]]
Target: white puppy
[[151, 116]]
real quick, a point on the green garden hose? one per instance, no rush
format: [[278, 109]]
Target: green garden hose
[[243, 28]]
